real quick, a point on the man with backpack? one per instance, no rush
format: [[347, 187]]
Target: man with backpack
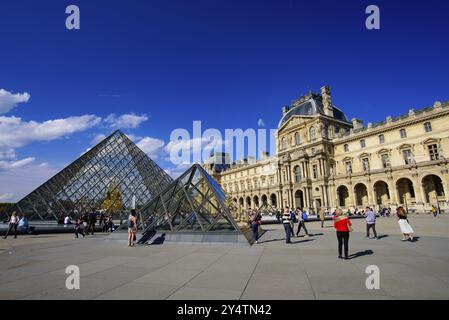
[[302, 217]]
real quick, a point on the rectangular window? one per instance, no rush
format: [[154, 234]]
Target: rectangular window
[[346, 148], [403, 133], [381, 139], [433, 152], [408, 156], [315, 171], [385, 160], [428, 127], [348, 167], [362, 144], [365, 164]]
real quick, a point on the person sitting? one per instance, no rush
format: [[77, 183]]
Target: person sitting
[[24, 225], [67, 220]]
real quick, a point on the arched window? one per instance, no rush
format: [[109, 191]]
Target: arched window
[[312, 133], [297, 172], [297, 138]]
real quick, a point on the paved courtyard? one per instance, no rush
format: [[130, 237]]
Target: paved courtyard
[[33, 267]]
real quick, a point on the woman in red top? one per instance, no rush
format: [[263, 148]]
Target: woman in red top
[[342, 226]]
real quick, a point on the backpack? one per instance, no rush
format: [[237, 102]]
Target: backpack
[[304, 216], [130, 223]]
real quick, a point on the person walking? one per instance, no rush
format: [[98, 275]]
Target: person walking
[[286, 218], [302, 217], [79, 228], [255, 220], [293, 220], [322, 217], [132, 228], [406, 228], [12, 224], [342, 225], [92, 221], [370, 218]]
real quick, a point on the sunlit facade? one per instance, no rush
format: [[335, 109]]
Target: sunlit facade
[[324, 161]]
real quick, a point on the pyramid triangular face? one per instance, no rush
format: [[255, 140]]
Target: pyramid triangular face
[[194, 202], [107, 177]]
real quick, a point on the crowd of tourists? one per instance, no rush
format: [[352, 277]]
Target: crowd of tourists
[[340, 222]]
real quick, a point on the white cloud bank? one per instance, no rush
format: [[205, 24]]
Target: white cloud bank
[[15, 133], [125, 121], [9, 100], [151, 146]]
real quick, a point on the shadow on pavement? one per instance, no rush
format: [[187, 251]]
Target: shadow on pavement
[[361, 254]]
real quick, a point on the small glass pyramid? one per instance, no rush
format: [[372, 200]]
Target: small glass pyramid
[[195, 203]]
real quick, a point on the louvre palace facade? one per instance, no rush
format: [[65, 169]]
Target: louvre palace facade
[[324, 161]]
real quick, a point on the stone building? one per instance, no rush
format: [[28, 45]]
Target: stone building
[[323, 160]]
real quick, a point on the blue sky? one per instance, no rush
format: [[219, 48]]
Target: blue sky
[[226, 63]]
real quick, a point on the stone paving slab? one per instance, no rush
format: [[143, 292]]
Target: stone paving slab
[[34, 268]]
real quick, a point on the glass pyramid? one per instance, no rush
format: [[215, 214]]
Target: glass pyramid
[[194, 203], [107, 178]]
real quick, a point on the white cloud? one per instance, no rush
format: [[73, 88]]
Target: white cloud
[[6, 197], [193, 150], [97, 139], [125, 121], [8, 154], [10, 100], [151, 146], [16, 133], [8, 165], [260, 123], [175, 172], [18, 182]]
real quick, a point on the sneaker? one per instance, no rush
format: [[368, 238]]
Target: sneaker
[[340, 257], [306, 236]]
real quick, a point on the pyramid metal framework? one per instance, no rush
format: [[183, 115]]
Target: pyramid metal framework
[[194, 203], [106, 177]]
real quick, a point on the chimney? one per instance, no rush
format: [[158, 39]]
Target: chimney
[[285, 109], [357, 123], [327, 101]]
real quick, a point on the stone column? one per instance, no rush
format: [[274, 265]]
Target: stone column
[[372, 195]]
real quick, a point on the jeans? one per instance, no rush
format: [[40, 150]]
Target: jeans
[[288, 232], [255, 228], [11, 226], [91, 227], [303, 225], [371, 226], [79, 231], [343, 239]]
